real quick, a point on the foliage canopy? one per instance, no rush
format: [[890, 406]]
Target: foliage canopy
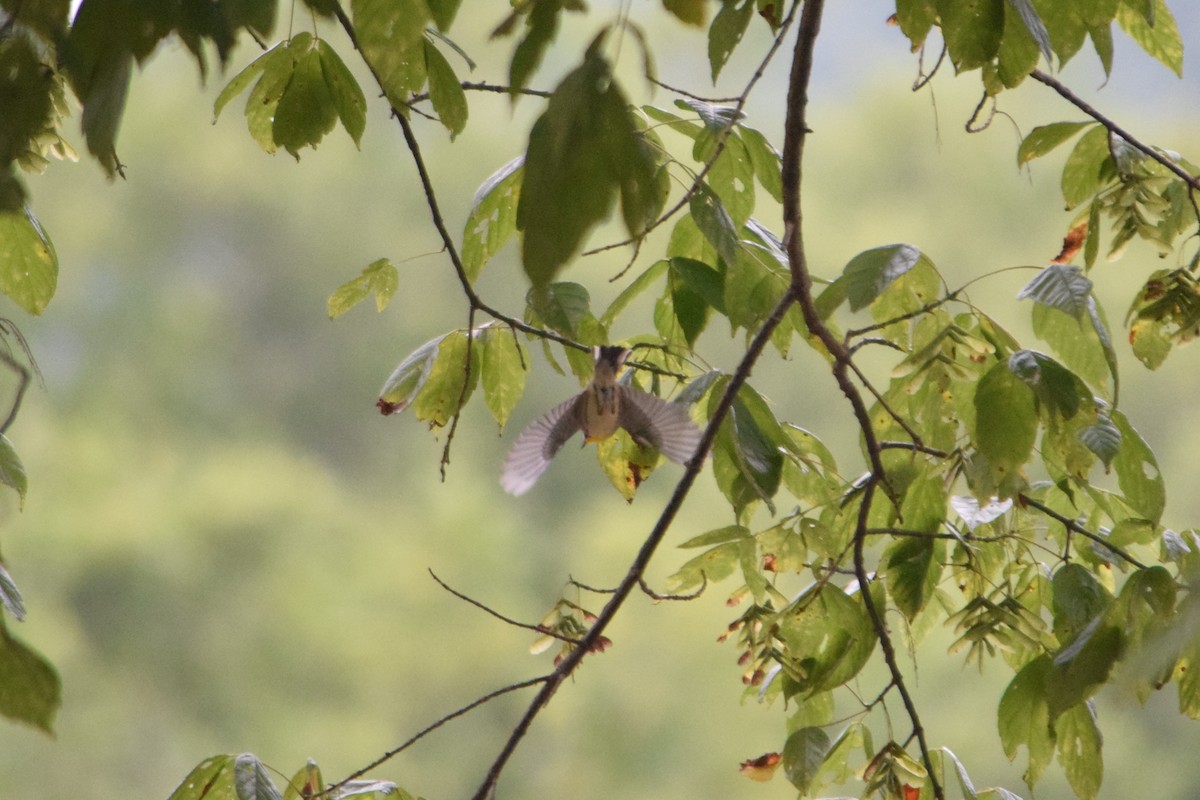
[[999, 491]]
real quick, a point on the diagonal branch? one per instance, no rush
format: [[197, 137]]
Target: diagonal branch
[[1077, 101]]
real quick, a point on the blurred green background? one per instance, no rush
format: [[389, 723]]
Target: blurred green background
[[225, 547]]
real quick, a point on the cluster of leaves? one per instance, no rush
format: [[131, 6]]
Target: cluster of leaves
[[1145, 195], [243, 775], [1005, 39]]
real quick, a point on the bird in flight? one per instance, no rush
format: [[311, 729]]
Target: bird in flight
[[599, 410]]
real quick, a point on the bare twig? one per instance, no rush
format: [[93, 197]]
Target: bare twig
[[1072, 525], [509, 620], [428, 729], [653, 595]]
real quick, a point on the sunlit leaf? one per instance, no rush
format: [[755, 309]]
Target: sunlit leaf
[[714, 221], [407, 379], [347, 95], [379, 277], [1005, 418], [12, 471], [1079, 750], [870, 272], [1159, 39], [391, 38], [1061, 286], [1088, 167], [448, 385], [692, 12], [28, 262], [971, 29], [493, 217], [914, 567], [211, 778], [829, 639], [306, 783], [306, 110], [1024, 718], [502, 371], [1137, 471]]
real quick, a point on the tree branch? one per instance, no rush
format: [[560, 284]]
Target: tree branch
[[1113, 127], [1075, 527], [795, 131], [542, 629]]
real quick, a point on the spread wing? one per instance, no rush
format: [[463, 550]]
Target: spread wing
[[537, 444], [662, 425]]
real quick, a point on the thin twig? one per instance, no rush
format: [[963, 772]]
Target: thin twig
[[653, 595], [428, 729], [686, 93], [1077, 101], [1074, 526], [439, 223], [515, 623]]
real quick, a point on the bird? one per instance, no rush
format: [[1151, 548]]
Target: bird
[[599, 410]]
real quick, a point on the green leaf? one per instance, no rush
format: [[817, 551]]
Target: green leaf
[[243, 79], [1024, 717], [869, 273], [408, 378], [211, 778], [1005, 419], [1079, 750], [1088, 167], [12, 471], [639, 284], [380, 277], [1159, 38], [691, 12], [1044, 138], [391, 39], [1054, 385], [1078, 600], [1019, 48], [1138, 476], [10, 595], [347, 95], [749, 444], [1103, 438], [916, 18], [306, 783], [828, 639], [263, 99], [502, 371], [702, 279], [914, 567], [803, 754], [251, 779], [765, 160], [583, 148], [1079, 344], [563, 306], [1033, 23], [28, 263], [714, 221], [712, 566], [972, 30], [1083, 667], [726, 32], [447, 386], [541, 25], [445, 91], [30, 690], [728, 533], [443, 12], [306, 110], [1061, 286], [493, 217]]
